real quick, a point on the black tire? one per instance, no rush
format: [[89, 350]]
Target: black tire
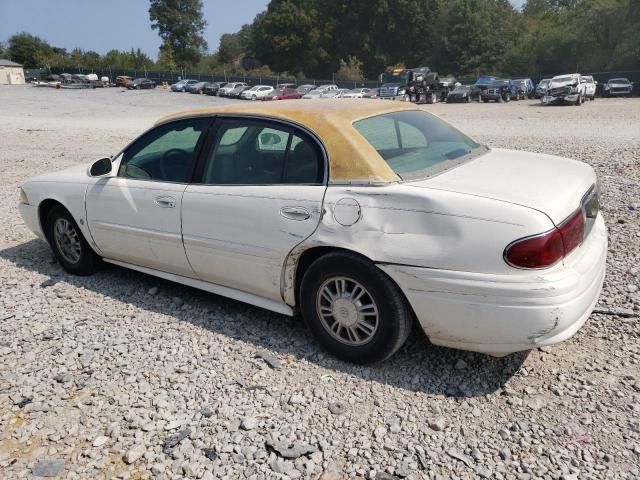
[[507, 97], [395, 316], [579, 100], [88, 261]]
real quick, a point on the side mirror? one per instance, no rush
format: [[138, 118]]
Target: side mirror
[[100, 167], [269, 139]]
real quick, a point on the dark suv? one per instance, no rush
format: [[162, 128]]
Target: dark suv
[[499, 91]]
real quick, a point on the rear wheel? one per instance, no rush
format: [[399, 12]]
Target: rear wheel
[[353, 308], [69, 245]]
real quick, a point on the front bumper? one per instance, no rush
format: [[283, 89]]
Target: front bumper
[[29, 214], [502, 314], [573, 97]]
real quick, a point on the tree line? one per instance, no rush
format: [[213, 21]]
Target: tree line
[[356, 39]]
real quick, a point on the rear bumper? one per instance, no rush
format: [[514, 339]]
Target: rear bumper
[[502, 314]]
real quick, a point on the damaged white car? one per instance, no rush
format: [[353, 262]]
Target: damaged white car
[[565, 88], [363, 216]]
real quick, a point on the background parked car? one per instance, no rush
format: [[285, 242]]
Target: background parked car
[[541, 89], [372, 93], [499, 91], [212, 88], [313, 94], [617, 87], [141, 84], [464, 93], [589, 87], [122, 80], [338, 93], [355, 93], [182, 85], [257, 92], [197, 87], [223, 91], [484, 81], [306, 88], [524, 88], [236, 92], [286, 93]]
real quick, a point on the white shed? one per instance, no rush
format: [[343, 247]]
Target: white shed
[[11, 73]]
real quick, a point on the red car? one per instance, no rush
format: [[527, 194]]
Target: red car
[[284, 93]]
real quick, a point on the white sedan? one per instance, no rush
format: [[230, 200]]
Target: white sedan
[[356, 93], [257, 92], [363, 216]]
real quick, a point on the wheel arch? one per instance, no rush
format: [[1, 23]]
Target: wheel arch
[[299, 262], [44, 208]]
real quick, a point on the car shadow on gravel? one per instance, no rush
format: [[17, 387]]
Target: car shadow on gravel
[[418, 366]]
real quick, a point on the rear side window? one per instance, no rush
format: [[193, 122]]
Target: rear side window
[[416, 144], [261, 152]]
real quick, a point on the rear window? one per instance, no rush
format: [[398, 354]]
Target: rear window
[[416, 144]]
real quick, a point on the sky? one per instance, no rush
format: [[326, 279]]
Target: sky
[[121, 24]]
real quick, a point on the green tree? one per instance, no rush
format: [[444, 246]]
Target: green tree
[[180, 24], [230, 48], [28, 49], [350, 70], [166, 60]]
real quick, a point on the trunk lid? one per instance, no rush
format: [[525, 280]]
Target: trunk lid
[[553, 185]]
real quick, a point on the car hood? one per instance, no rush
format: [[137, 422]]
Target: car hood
[[75, 174], [557, 84], [553, 185]]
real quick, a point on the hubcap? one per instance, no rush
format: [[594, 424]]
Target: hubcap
[[347, 311], [67, 240]]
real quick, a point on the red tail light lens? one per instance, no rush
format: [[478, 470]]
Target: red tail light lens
[[548, 248], [536, 252]]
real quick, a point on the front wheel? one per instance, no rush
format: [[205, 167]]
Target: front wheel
[[254, 98], [579, 100], [69, 245], [507, 97], [354, 309]]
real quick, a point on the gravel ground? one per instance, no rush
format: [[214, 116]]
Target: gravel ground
[[122, 375]]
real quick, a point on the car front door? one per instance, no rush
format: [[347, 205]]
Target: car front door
[[257, 193], [135, 215]]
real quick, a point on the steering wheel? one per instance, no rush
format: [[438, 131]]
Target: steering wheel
[[165, 158]]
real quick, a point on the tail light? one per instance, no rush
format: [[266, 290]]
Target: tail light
[[546, 249]]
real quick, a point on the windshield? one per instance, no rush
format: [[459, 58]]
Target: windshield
[[562, 79], [485, 79], [618, 80], [416, 144], [392, 77], [544, 83], [461, 89]]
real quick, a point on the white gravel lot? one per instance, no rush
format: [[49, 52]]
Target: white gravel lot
[[101, 376]]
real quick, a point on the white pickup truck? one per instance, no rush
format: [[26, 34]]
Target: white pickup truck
[[565, 88]]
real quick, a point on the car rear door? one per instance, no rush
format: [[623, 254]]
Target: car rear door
[[257, 193]]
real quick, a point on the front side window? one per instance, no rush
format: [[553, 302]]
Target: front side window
[[416, 144], [166, 153], [262, 153]]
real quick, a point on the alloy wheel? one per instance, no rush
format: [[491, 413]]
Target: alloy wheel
[[67, 240], [347, 311]]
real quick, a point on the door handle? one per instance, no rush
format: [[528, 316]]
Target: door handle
[[295, 213], [165, 202]]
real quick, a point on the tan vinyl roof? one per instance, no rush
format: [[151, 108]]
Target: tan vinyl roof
[[351, 157]]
